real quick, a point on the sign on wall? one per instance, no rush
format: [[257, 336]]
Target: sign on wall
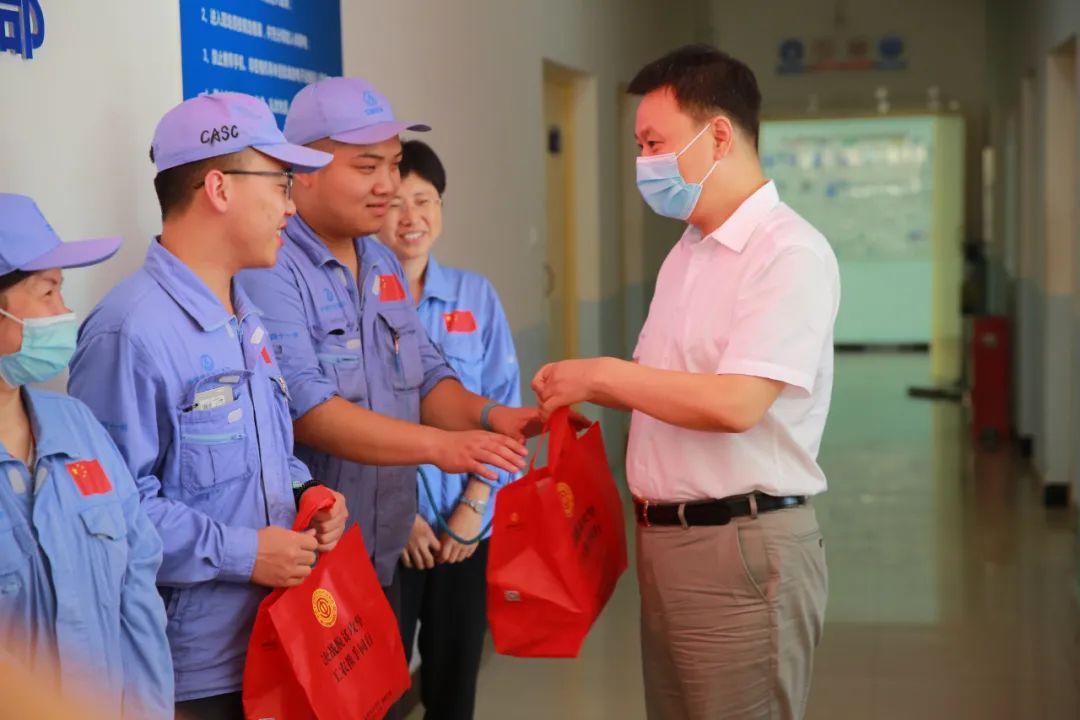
[[831, 54], [22, 27], [266, 48]]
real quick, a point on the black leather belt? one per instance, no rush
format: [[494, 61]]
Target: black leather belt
[[711, 512]]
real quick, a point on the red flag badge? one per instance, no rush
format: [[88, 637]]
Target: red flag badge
[[460, 321], [390, 289], [89, 477]]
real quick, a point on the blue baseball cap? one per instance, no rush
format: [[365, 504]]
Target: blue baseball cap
[[222, 123], [28, 242], [349, 110]]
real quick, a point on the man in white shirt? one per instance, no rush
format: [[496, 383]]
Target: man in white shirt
[[729, 390]]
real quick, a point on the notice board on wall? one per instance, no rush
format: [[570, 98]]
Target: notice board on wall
[[266, 48], [872, 186]]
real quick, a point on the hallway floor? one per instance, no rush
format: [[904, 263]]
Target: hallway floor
[[953, 592]]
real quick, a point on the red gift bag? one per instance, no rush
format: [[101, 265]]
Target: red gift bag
[[558, 547], [329, 648]]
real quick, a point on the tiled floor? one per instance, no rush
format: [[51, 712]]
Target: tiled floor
[[953, 592]]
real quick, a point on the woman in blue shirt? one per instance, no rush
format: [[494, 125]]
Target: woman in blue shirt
[[79, 609], [444, 579]]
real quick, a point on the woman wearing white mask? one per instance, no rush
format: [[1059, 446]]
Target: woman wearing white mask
[[78, 557]]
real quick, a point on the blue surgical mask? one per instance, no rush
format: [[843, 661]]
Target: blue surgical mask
[[47, 346], [662, 185]]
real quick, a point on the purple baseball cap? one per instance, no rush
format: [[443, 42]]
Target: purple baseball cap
[[212, 125], [28, 242], [349, 110]]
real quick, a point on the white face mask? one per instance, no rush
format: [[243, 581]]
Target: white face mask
[[662, 185]]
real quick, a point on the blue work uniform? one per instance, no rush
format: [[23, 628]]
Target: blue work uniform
[[198, 407], [78, 562], [363, 343], [463, 316]]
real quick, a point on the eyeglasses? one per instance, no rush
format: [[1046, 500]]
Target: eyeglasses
[[287, 174]]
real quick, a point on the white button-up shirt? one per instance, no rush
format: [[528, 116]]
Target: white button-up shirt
[[758, 296]]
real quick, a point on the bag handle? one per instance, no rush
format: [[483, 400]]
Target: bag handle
[[315, 500], [556, 431], [558, 427]]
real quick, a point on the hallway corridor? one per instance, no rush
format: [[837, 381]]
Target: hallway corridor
[[952, 590]]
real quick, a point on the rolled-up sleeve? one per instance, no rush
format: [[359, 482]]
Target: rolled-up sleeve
[[783, 318], [277, 294]]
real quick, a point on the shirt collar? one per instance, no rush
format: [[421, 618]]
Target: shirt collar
[[737, 229], [191, 293], [51, 438], [309, 242], [436, 284]]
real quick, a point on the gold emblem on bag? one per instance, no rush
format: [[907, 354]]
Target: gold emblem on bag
[[566, 497], [324, 607]]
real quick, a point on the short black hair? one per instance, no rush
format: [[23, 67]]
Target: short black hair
[[417, 157], [175, 187], [705, 80], [10, 280]]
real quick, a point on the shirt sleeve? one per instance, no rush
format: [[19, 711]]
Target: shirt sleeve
[[278, 296], [783, 317], [501, 374], [298, 472], [114, 377], [144, 647]]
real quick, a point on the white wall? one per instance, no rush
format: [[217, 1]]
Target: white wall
[[474, 70], [945, 41], [77, 123]]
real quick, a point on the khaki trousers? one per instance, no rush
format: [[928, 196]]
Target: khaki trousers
[[731, 615]]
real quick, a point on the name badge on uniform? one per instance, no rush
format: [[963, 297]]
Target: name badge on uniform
[[460, 321], [390, 289], [213, 398], [89, 477]]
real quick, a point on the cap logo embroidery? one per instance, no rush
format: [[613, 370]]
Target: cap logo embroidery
[[221, 134], [369, 99]]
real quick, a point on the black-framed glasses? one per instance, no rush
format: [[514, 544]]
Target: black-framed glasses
[[287, 174]]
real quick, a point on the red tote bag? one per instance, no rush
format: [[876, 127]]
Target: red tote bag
[[329, 648], [558, 547]]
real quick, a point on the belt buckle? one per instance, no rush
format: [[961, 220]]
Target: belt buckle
[[645, 513]]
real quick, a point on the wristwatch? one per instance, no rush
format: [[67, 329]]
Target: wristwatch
[[478, 506]]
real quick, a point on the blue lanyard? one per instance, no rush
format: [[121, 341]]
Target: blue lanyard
[[439, 519]]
